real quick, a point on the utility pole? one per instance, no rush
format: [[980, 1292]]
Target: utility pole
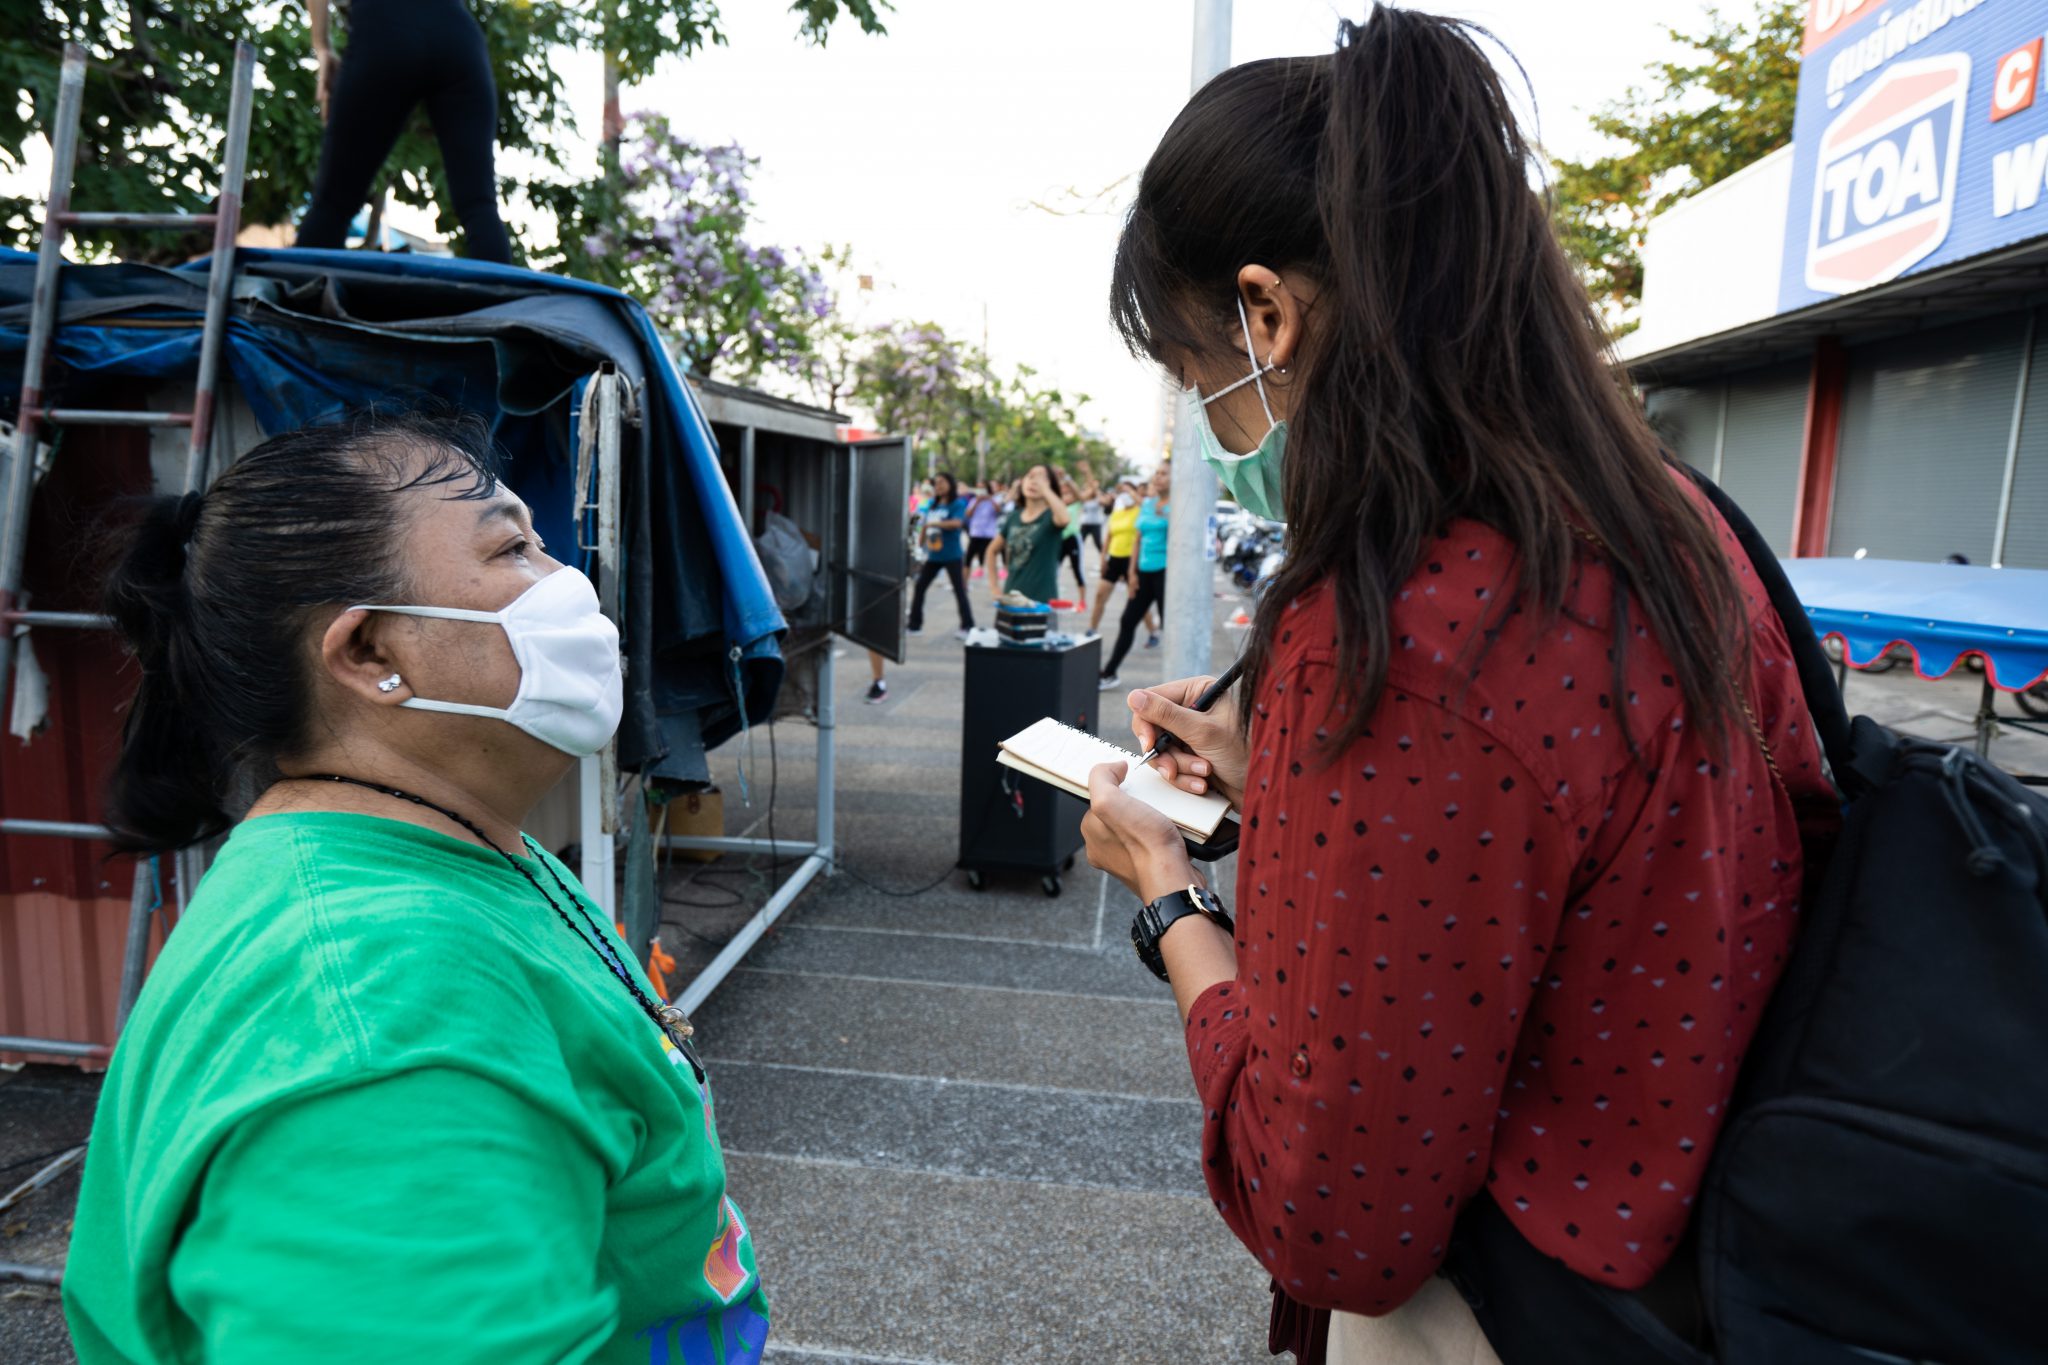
[[1187, 613], [981, 423]]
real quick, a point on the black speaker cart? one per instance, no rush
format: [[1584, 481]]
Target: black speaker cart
[[1009, 822]]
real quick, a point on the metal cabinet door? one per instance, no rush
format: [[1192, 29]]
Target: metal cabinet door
[[868, 551]]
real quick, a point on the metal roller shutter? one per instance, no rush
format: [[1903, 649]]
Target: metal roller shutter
[[1760, 452], [1922, 451], [2026, 526], [1686, 420]]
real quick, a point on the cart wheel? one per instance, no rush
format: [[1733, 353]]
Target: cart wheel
[[1051, 882], [1068, 865], [975, 881], [2034, 701]]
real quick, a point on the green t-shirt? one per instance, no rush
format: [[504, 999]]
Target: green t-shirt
[[376, 1103], [1033, 548]]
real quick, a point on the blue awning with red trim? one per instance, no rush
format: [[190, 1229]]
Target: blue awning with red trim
[[1941, 612]]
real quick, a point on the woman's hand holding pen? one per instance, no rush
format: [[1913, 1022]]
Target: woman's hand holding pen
[[1212, 754]]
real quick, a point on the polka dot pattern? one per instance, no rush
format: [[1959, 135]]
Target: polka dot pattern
[[1483, 947]]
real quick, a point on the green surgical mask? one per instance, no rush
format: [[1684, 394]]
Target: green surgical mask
[[1253, 479]]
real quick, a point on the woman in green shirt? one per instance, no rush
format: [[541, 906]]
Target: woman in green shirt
[[394, 1090], [1030, 537]]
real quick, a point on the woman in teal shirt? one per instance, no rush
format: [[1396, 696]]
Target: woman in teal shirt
[[944, 516], [1148, 573], [394, 1090]]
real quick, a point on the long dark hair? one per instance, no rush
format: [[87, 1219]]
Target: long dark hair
[[1052, 480], [212, 594], [1453, 367]]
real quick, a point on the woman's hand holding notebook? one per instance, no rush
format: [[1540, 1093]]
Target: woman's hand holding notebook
[[1064, 756]]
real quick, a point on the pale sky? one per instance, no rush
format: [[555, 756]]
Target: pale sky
[[928, 149]]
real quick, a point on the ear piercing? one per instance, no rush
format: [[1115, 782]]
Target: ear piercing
[[390, 684]]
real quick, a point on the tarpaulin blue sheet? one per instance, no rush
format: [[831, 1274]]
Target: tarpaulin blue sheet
[[1941, 612], [315, 332]]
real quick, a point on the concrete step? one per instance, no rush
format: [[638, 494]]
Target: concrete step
[[1088, 1139], [1012, 909], [883, 1265], [977, 1033], [1110, 971]]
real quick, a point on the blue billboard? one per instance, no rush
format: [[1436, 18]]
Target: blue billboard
[[1918, 140]]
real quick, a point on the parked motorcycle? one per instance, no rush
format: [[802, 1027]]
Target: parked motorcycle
[[1250, 548]]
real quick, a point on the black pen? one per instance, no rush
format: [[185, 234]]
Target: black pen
[[1202, 703]]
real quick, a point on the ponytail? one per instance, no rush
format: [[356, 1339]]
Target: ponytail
[[164, 792], [1453, 367], [214, 594]]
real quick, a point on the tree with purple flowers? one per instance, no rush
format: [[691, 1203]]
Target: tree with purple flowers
[[923, 383], [946, 394], [679, 239]]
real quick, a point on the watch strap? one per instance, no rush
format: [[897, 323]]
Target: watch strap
[[1153, 920]]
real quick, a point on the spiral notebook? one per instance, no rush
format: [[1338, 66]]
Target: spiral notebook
[[1063, 756]]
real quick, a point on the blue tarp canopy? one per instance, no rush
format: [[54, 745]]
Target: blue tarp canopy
[[312, 333], [1941, 612]]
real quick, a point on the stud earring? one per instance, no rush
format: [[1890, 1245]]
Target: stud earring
[[390, 684]]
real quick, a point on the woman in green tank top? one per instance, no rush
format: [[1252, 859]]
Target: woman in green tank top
[[395, 1090]]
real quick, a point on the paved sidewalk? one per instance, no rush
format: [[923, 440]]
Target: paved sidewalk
[[961, 1123]]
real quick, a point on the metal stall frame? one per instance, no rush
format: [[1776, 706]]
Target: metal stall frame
[[18, 487], [849, 560], [817, 857], [816, 853], [608, 406]]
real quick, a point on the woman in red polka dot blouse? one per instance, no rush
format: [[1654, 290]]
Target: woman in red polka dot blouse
[[1519, 749]]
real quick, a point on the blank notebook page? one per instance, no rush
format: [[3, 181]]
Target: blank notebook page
[[1066, 755]]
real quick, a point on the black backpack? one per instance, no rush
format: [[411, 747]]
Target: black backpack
[[1880, 1190]]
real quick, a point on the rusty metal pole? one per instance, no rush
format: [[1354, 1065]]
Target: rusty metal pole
[[21, 465], [220, 272]]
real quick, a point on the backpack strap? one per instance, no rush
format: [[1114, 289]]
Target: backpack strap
[[1816, 674]]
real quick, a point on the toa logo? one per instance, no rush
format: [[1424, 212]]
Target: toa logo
[[1884, 190]]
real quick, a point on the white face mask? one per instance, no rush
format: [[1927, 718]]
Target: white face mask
[[571, 689]]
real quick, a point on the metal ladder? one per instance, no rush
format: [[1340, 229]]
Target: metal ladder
[[58, 220]]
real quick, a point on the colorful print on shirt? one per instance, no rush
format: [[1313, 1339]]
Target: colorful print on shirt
[[724, 1270]]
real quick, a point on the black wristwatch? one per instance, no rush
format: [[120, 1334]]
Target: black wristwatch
[[1153, 921]]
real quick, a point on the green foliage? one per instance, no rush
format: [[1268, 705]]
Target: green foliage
[[818, 16], [156, 106], [1726, 103], [945, 393], [676, 237], [838, 343], [922, 382], [1031, 424], [157, 97]]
